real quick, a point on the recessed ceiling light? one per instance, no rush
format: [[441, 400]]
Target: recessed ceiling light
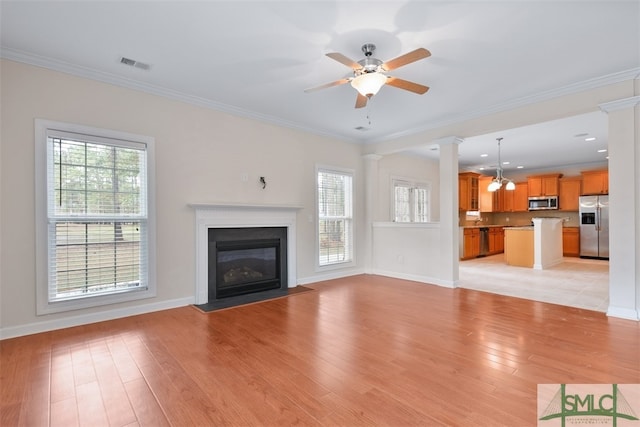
[[481, 169], [520, 167], [602, 151], [591, 138], [484, 155], [506, 163]]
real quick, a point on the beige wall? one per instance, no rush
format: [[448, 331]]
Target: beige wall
[[200, 157]]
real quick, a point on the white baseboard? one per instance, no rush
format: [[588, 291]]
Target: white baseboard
[[84, 319], [417, 278], [623, 313], [335, 274]]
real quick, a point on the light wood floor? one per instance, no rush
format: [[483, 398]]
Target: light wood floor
[[365, 350]]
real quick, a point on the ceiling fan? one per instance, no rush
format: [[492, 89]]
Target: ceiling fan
[[369, 74]]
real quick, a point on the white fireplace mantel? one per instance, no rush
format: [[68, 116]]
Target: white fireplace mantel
[[228, 215]]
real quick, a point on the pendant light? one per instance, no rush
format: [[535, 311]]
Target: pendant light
[[496, 183]]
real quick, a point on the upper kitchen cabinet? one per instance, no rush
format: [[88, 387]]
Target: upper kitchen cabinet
[[468, 191], [516, 200], [543, 185], [490, 201], [595, 182], [568, 197]]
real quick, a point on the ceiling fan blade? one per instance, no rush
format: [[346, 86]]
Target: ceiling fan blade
[[326, 85], [407, 58], [344, 60], [361, 100], [407, 85]]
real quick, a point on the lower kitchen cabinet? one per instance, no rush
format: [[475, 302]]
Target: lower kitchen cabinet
[[471, 243], [571, 241], [496, 240]]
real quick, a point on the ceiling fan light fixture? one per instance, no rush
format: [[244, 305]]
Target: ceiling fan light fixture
[[368, 84]]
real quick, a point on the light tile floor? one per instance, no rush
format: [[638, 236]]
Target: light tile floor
[[576, 282]]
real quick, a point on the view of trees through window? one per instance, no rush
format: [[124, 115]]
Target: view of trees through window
[[96, 211], [411, 202], [335, 217]]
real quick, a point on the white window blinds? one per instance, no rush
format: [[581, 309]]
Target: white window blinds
[[96, 214], [335, 216]]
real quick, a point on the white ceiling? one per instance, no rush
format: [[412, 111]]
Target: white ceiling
[[256, 59]]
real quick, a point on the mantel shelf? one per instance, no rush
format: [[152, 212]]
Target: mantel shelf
[[230, 205]]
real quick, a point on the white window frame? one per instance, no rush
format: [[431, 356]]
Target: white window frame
[[352, 247], [412, 184], [43, 305]]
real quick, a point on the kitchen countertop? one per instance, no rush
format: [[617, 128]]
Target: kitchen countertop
[[482, 226]]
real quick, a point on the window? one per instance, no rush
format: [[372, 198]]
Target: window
[[410, 201], [95, 222], [335, 217]]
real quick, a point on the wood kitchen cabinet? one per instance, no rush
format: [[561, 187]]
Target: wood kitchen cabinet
[[468, 191], [471, 243], [571, 241], [595, 182], [569, 193], [489, 201], [543, 185], [516, 200], [496, 240]]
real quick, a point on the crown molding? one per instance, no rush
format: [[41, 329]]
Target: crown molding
[[92, 74], [620, 104]]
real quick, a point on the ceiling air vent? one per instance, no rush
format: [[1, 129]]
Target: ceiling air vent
[[134, 63], [362, 128]]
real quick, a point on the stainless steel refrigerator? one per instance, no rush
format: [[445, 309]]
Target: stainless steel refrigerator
[[594, 226]]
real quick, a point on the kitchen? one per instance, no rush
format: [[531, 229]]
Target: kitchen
[[497, 228], [551, 190]]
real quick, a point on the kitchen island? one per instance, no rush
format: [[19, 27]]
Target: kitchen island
[[538, 246], [518, 246]]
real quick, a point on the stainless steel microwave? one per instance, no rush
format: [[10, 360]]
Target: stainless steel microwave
[[543, 203]]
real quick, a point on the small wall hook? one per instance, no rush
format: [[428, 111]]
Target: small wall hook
[[263, 182]]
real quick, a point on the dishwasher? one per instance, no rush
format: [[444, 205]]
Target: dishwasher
[[484, 241]]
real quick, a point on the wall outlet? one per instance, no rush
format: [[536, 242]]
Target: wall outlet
[[244, 177]]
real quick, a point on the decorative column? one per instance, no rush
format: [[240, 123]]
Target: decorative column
[[371, 204], [449, 227], [624, 207]]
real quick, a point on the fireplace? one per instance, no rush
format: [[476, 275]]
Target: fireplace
[[245, 261], [222, 216]]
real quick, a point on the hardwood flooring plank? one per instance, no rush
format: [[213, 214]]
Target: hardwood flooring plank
[[91, 409], [64, 413], [145, 406]]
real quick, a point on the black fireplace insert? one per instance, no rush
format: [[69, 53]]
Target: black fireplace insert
[[245, 261]]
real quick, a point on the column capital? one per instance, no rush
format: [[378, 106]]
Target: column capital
[[448, 140], [620, 104]]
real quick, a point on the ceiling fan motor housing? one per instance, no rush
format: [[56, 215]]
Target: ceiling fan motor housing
[[369, 63]]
